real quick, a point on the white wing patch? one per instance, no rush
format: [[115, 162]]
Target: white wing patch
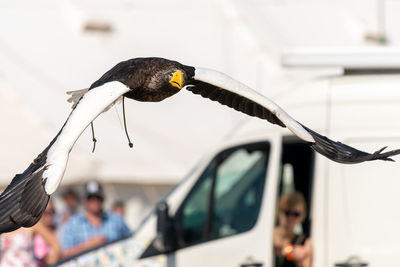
[[76, 95], [224, 81], [90, 105]]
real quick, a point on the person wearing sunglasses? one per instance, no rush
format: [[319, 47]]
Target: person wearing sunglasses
[[291, 249]]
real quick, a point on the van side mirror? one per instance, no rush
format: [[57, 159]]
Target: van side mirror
[[165, 240]]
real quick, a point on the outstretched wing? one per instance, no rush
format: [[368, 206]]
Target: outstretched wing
[[227, 91], [24, 200]]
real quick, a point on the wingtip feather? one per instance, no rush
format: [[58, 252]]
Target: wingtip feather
[[23, 202], [343, 153]]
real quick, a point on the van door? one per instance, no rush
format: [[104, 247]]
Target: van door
[[363, 217], [227, 217]]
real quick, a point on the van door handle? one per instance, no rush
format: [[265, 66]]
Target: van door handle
[[352, 261], [344, 264], [253, 264], [250, 262]]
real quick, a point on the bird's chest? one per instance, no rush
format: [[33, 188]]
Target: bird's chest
[[146, 95]]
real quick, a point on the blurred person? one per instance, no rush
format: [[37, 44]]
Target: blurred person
[[291, 249], [17, 247], [92, 227], [70, 205], [119, 208], [43, 251]]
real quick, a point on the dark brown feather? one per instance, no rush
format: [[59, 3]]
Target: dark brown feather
[[233, 100], [24, 200], [343, 153]]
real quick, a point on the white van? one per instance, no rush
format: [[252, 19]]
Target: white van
[[224, 212]]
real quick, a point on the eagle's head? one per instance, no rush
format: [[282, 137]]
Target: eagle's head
[[161, 78]]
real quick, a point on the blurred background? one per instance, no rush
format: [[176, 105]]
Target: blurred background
[[50, 47]]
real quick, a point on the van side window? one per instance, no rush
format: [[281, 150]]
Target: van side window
[[227, 198]]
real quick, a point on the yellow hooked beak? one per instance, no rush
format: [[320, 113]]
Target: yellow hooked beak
[[177, 79]]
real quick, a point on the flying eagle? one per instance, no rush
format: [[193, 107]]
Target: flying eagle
[[147, 79]]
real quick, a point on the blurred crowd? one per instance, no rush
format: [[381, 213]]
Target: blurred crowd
[[63, 233]]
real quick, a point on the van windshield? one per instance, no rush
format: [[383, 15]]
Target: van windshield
[[170, 192]]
